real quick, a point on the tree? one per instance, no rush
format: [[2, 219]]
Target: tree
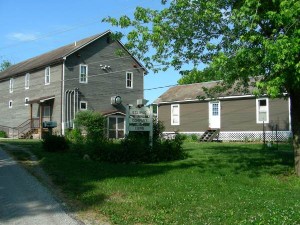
[[237, 39], [4, 65]]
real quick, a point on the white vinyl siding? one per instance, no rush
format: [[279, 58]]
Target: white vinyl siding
[[175, 114], [129, 80], [262, 110], [83, 74], [11, 85], [27, 80], [47, 75]]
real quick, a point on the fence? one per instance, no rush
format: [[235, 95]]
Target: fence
[[243, 136]]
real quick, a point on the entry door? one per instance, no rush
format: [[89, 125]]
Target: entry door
[[214, 115]]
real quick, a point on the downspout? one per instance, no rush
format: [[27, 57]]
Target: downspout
[[63, 101], [67, 109], [74, 104], [70, 109]]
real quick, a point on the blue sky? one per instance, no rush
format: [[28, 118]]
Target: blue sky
[[32, 27]]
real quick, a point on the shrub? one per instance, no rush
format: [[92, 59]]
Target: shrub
[[53, 143], [3, 134], [93, 123]]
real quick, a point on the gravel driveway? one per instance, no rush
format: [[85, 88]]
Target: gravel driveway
[[23, 200]]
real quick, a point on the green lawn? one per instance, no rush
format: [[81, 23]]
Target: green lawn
[[219, 183]]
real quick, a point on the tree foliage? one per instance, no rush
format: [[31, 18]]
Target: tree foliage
[[237, 39], [4, 65]]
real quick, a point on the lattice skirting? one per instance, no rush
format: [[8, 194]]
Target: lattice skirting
[[251, 136]]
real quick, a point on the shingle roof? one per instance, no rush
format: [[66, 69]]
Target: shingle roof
[[193, 91], [48, 58]]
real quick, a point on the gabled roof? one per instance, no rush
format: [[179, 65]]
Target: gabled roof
[[191, 92], [52, 57]]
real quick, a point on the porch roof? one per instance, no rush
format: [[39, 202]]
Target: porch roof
[[42, 99]]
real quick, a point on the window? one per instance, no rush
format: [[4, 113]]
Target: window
[[262, 110], [10, 104], [83, 74], [129, 80], [175, 115], [46, 111], [83, 105], [47, 75], [11, 85], [215, 109], [116, 126], [26, 101], [27, 78]]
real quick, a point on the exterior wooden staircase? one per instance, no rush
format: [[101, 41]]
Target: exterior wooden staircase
[[209, 135], [27, 128]]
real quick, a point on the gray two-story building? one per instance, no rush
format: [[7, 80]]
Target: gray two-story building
[[96, 73]]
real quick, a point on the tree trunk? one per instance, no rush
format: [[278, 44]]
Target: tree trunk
[[295, 117]]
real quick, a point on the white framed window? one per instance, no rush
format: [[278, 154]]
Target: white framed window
[[27, 79], [83, 105], [11, 85], [10, 104], [83, 74], [175, 114], [116, 127], [262, 110], [47, 75], [129, 80], [26, 101], [46, 111]]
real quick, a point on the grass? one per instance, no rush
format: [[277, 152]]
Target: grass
[[219, 183]]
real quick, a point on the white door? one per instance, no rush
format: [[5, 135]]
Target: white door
[[214, 115]]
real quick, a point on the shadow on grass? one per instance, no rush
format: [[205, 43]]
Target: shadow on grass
[[78, 177], [253, 160]]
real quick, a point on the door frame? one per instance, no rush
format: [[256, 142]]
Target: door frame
[[214, 121]]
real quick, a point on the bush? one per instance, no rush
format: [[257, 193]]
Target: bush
[[93, 123], [3, 134], [53, 143]]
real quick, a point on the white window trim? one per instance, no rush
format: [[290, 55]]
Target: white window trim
[[10, 104], [47, 75], [26, 100], [131, 73], [257, 110], [11, 85], [27, 81], [86, 79], [117, 126], [172, 116], [86, 103]]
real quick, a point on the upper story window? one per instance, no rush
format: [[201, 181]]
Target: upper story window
[[175, 114], [47, 75], [27, 78], [129, 80], [11, 85], [262, 110], [83, 74], [10, 104], [26, 101]]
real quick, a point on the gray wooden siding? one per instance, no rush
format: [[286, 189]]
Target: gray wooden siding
[[37, 89], [236, 115], [193, 117], [102, 85]]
